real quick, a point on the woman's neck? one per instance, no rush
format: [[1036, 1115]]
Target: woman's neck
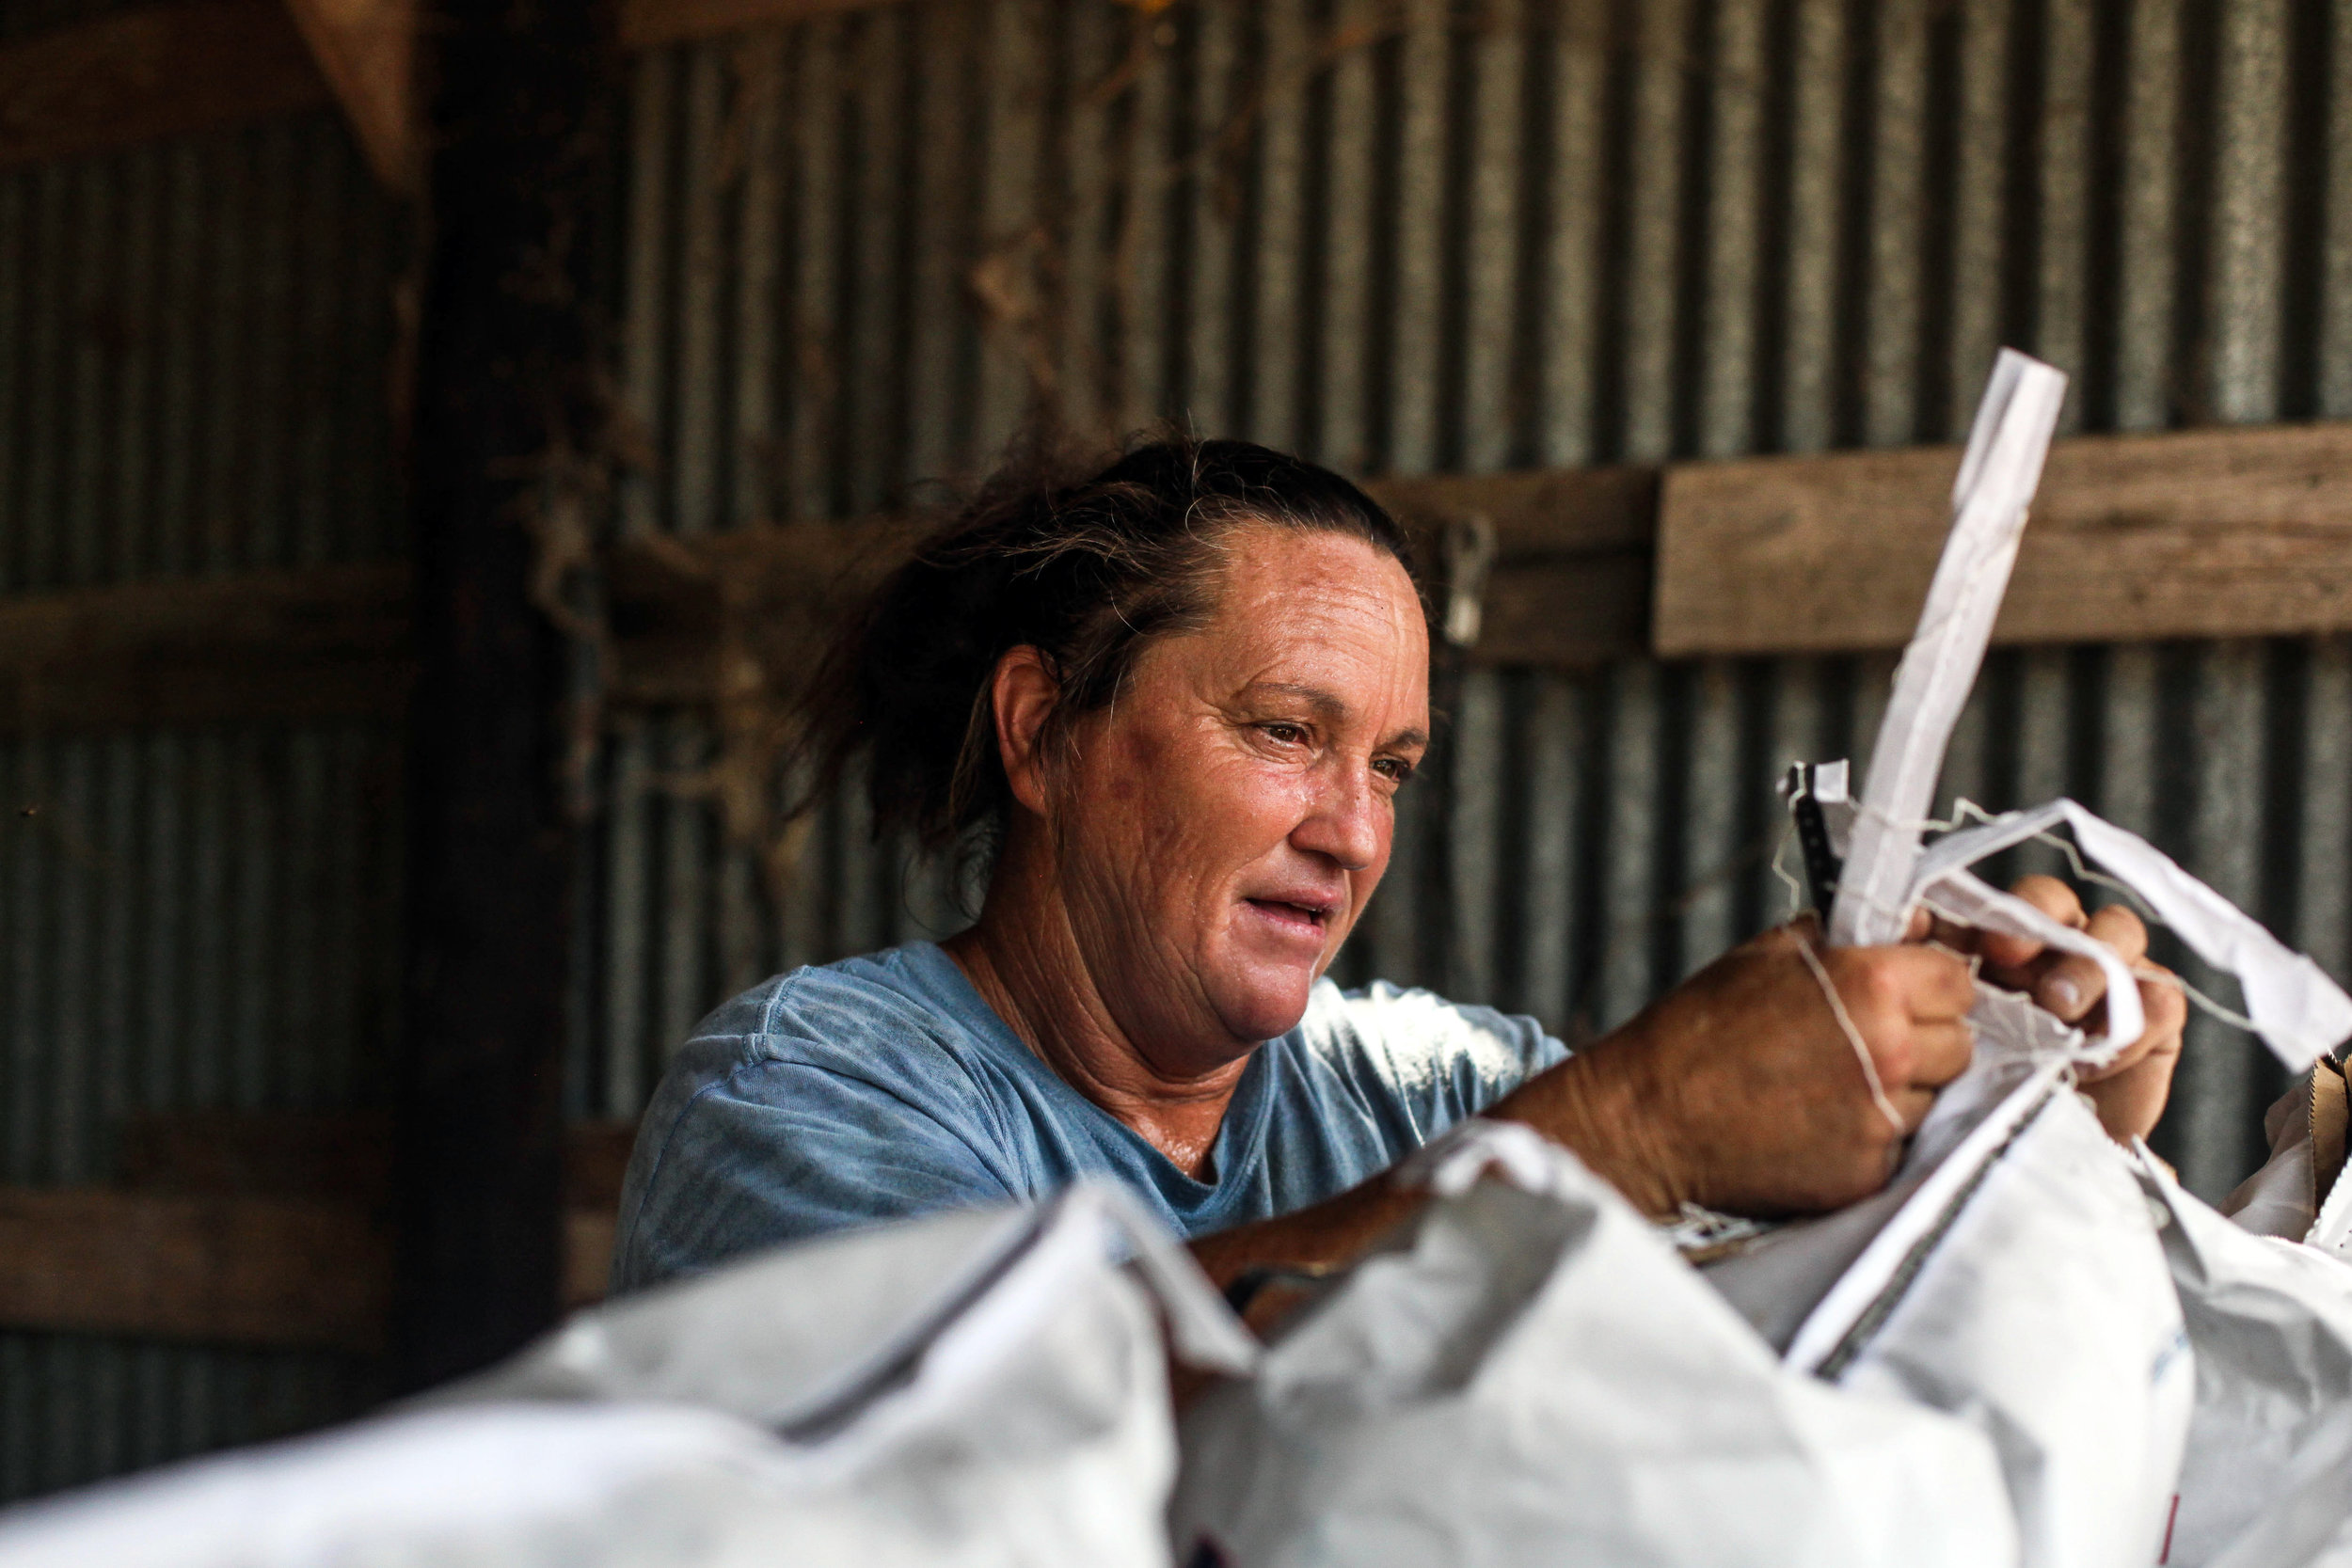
[[1024, 959]]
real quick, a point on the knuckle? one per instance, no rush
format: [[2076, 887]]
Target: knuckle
[[2047, 893], [1881, 980], [2119, 919]]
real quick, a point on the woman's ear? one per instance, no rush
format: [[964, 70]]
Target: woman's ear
[[1023, 693]]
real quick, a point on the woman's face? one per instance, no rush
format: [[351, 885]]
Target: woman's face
[[1219, 828]]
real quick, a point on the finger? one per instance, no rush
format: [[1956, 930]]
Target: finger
[[2126, 1059], [1920, 926], [2119, 927], [2167, 1009], [2069, 987], [1959, 938], [2131, 1103], [2052, 898], [1936, 1055], [2130, 1098], [1914, 984]]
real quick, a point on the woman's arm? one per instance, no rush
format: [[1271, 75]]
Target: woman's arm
[[1740, 1089]]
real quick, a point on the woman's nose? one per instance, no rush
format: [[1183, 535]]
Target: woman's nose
[[1346, 821]]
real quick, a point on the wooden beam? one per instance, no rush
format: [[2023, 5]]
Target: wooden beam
[[175, 70], [190, 67], [253, 1271], [1569, 582], [341, 1155], [346, 1158], [2202, 533], [2241, 533], [257, 1229], [511, 386], [331, 642], [366, 50], [654, 24]]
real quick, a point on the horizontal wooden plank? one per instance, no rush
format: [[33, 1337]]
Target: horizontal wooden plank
[[252, 1270], [2207, 533], [256, 1228], [653, 24], [173, 70], [190, 67], [1569, 583], [331, 642], [2199, 533], [694, 620], [340, 1156], [588, 1236]]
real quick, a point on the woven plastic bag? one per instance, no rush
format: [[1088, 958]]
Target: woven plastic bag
[[2012, 1272], [1529, 1373], [980, 1387], [2005, 1272], [2011, 1278], [2267, 1479]]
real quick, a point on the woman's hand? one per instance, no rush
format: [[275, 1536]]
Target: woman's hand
[[1743, 1090], [2129, 1092]]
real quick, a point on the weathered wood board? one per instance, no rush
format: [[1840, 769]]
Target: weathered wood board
[[173, 70], [256, 1228], [328, 643], [244, 1270], [187, 67], [2199, 533]]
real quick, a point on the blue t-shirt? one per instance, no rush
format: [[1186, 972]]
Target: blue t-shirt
[[883, 1086]]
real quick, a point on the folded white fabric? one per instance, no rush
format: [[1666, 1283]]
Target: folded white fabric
[[2267, 1478], [1527, 1373], [974, 1388]]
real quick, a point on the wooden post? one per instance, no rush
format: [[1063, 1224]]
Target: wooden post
[[521, 98]]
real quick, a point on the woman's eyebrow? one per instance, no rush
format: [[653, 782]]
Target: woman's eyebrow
[[1328, 707]]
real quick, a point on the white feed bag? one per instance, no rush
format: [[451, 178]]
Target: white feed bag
[[2267, 1478], [487, 1486], [983, 1387], [2010, 1277], [2282, 1198], [1530, 1374]]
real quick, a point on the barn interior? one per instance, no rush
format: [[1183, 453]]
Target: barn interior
[[436, 435]]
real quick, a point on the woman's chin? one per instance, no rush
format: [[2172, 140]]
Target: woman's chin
[[1268, 1001]]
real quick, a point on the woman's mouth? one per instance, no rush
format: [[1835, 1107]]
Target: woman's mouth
[[1303, 920]]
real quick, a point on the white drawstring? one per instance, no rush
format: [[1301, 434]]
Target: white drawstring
[[1853, 1036]]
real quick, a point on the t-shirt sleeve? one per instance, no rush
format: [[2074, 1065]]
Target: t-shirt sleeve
[[1423, 1063], [777, 1151]]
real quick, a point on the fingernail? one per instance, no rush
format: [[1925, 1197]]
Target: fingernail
[[2062, 995]]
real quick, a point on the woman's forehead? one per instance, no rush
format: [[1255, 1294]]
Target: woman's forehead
[[1272, 569], [1326, 608]]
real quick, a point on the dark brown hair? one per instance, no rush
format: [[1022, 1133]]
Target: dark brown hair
[[1087, 570]]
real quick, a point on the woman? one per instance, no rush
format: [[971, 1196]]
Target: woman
[[1172, 705]]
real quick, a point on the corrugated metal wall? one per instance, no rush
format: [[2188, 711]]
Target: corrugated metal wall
[[1409, 236], [194, 342]]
